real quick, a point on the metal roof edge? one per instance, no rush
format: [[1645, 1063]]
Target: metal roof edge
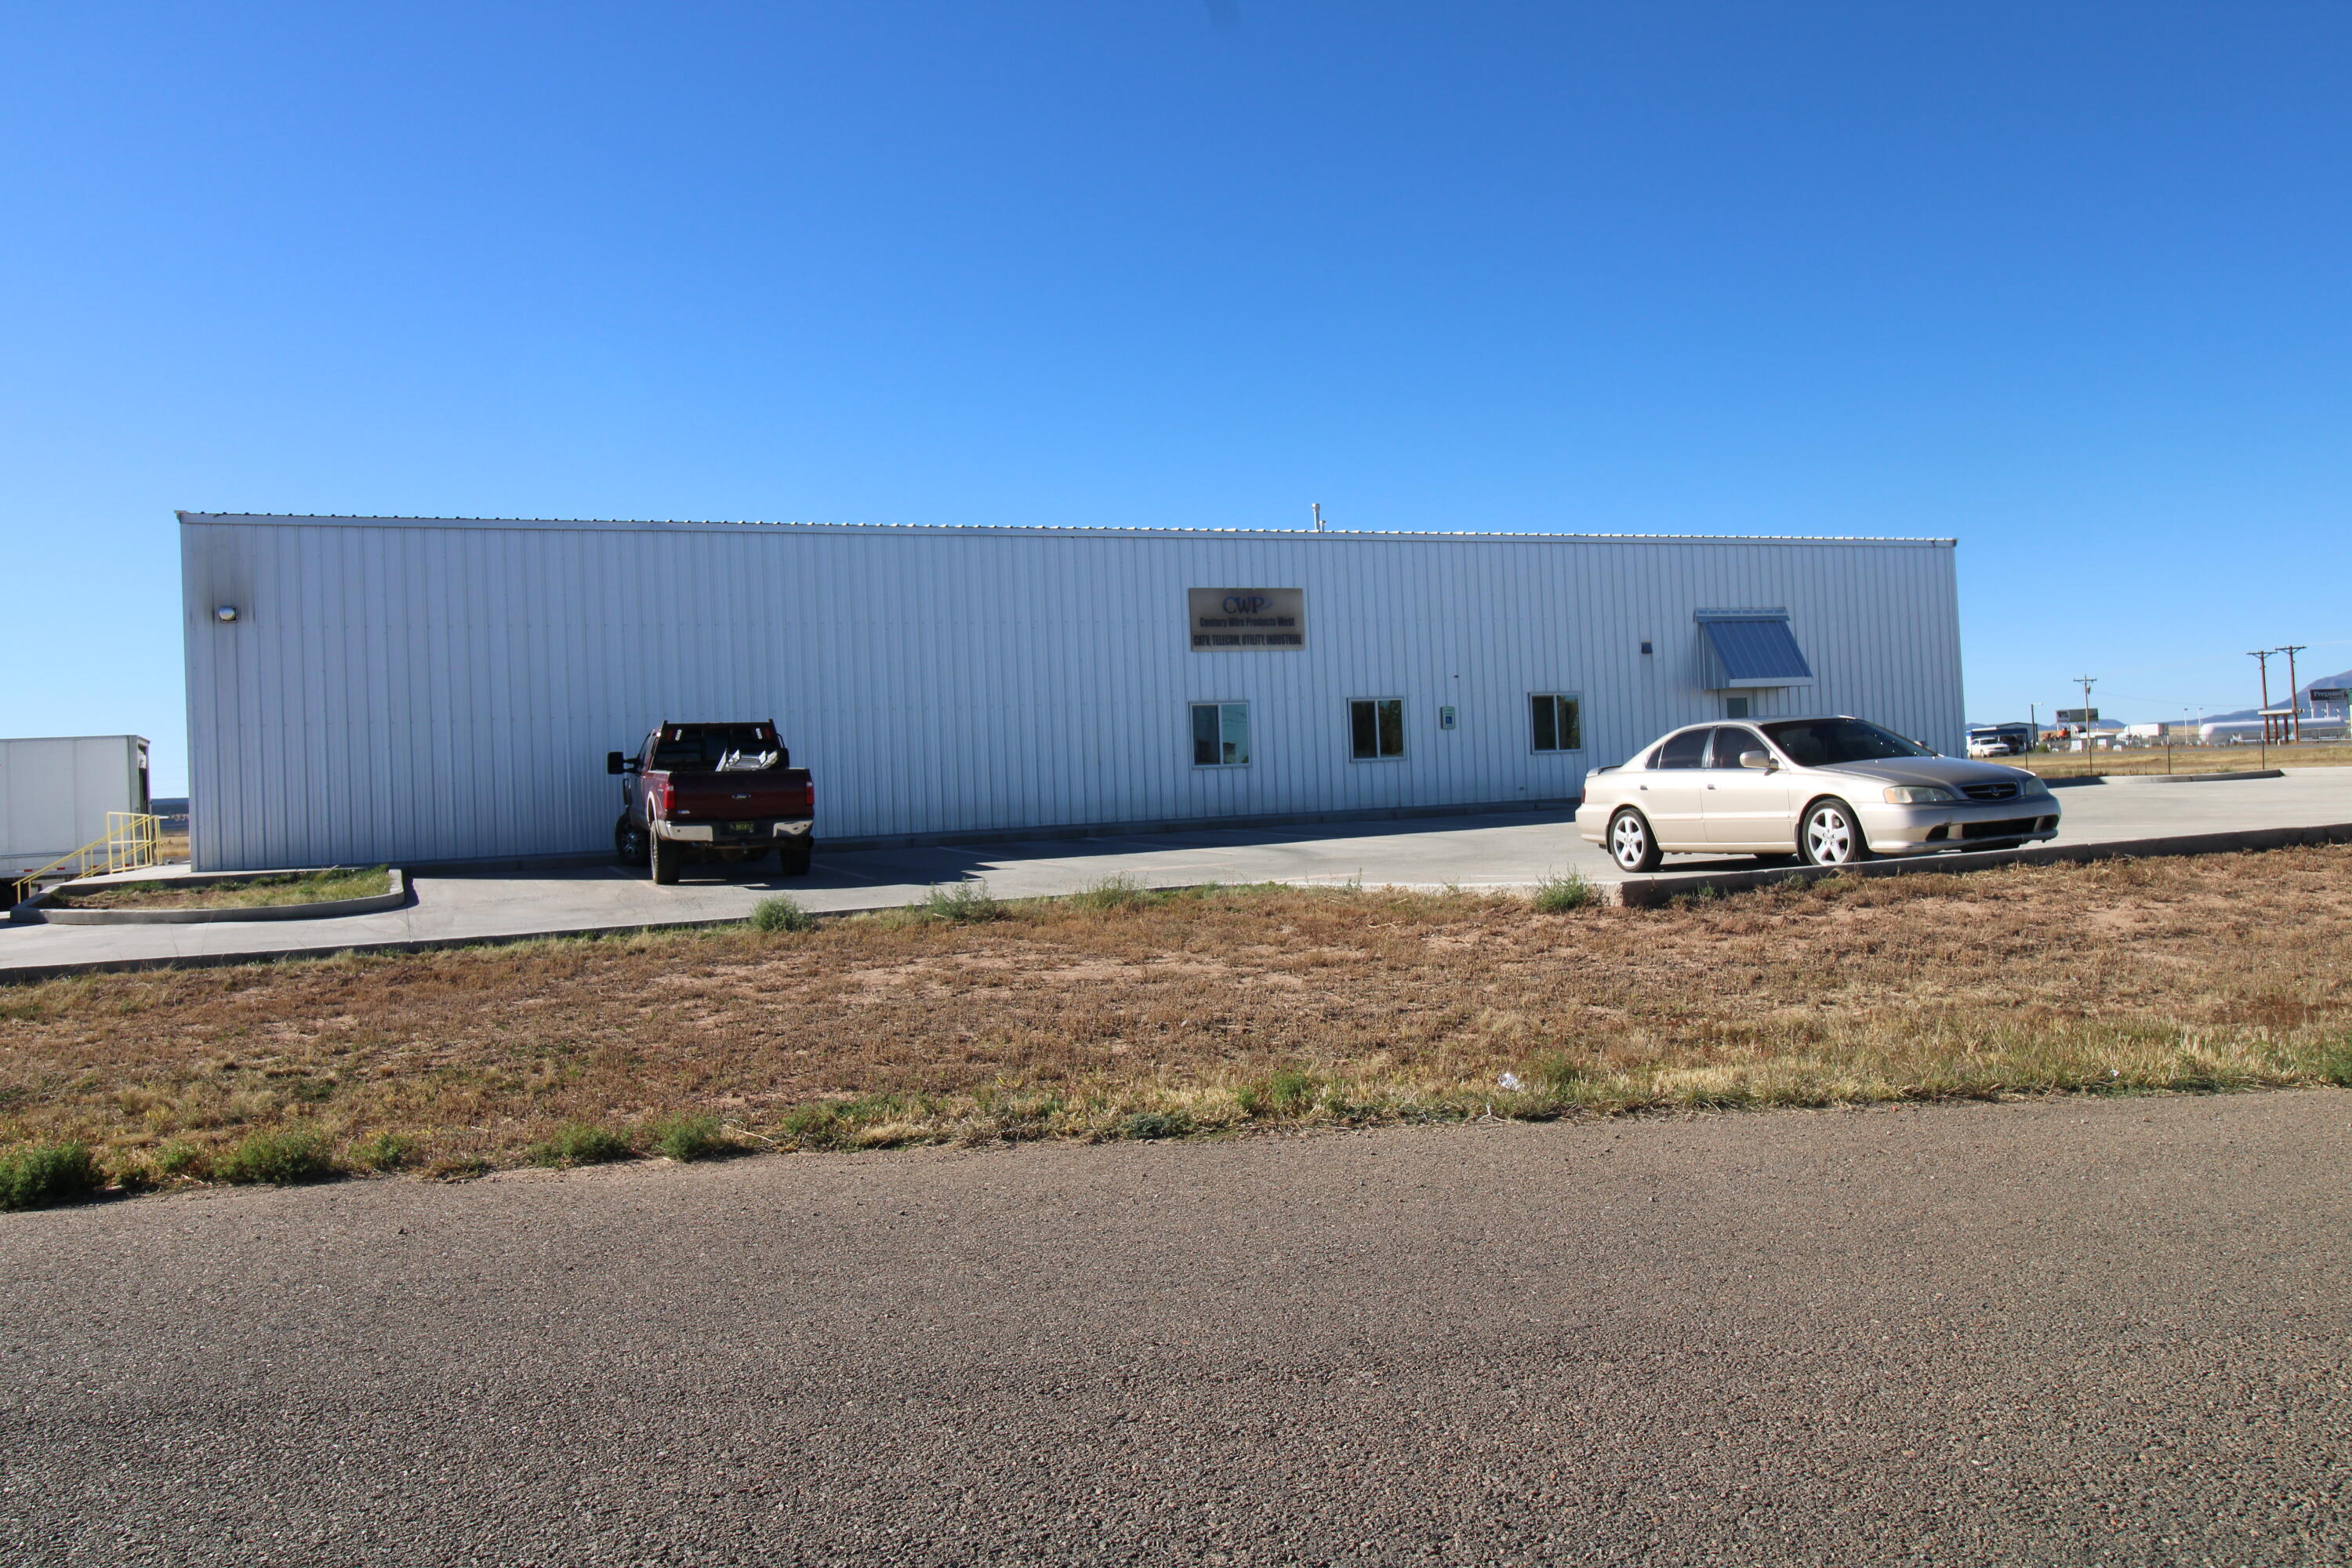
[[338, 519]]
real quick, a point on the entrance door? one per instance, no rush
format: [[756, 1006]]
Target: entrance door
[[1746, 806], [1672, 793]]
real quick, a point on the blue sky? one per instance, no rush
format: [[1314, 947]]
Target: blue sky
[[2069, 283]]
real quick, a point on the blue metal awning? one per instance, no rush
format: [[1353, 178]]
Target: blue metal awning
[[1755, 648]]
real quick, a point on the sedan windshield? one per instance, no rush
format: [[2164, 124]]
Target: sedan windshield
[[1824, 742]]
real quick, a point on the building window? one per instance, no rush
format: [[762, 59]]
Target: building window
[[1221, 734], [1734, 707], [1376, 728], [1557, 720]]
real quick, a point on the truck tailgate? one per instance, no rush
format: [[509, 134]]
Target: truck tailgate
[[728, 797]]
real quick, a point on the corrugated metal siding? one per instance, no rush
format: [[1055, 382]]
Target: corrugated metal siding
[[410, 692], [56, 792]]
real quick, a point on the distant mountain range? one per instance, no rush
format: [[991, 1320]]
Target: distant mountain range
[[2341, 679]]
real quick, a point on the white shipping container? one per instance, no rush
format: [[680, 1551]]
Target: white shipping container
[[417, 690], [55, 790]]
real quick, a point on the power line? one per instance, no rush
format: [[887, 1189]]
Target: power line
[[2293, 705], [2262, 657]]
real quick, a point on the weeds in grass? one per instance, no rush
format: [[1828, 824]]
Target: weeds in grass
[[42, 1176], [384, 1152], [581, 1143], [181, 1158], [810, 1126], [780, 912], [1559, 895], [863, 1123], [1289, 1092], [1556, 1075], [2333, 1063], [1156, 1124], [690, 1136], [278, 1157], [1114, 892], [962, 904]]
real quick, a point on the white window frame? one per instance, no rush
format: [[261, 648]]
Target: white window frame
[[1534, 749], [1403, 746], [1192, 736]]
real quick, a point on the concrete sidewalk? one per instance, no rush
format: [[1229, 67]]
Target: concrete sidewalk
[[1502, 851]]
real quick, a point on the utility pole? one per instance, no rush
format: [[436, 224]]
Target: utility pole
[[2085, 680], [2263, 658], [2294, 707]]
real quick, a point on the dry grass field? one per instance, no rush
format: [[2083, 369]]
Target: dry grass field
[[1140, 1016], [2183, 759]]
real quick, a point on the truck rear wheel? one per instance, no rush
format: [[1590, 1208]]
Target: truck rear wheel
[[795, 857], [665, 856]]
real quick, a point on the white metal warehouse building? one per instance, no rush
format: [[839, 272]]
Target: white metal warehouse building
[[421, 690]]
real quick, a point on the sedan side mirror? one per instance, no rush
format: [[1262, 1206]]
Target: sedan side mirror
[[1763, 760]]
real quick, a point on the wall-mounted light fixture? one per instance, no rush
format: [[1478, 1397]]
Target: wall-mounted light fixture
[[226, 613], [1645, 647]]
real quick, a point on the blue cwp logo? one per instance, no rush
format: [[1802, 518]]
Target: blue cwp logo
[[1244, 603]]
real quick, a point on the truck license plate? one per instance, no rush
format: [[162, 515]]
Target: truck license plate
[[741, 826]]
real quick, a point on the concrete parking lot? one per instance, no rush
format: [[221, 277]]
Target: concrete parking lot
[[1500, 851]]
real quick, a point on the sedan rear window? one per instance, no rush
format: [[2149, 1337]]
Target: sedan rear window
[[1824, 742], [1687, 750]]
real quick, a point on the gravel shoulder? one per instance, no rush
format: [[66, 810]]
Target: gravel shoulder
[[2067, 1331]]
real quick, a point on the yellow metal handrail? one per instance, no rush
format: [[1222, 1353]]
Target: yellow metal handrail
[[133, 840]]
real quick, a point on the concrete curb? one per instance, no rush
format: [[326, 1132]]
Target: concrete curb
[[36, 971], [1655, 890], [2164, 778], [46, 913]]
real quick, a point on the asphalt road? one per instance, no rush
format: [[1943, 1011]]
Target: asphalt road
[[2071, 1331]]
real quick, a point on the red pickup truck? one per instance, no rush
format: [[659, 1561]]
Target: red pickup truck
[[727, 791]]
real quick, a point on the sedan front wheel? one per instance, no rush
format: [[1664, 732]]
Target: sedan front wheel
[[1831, 837]]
